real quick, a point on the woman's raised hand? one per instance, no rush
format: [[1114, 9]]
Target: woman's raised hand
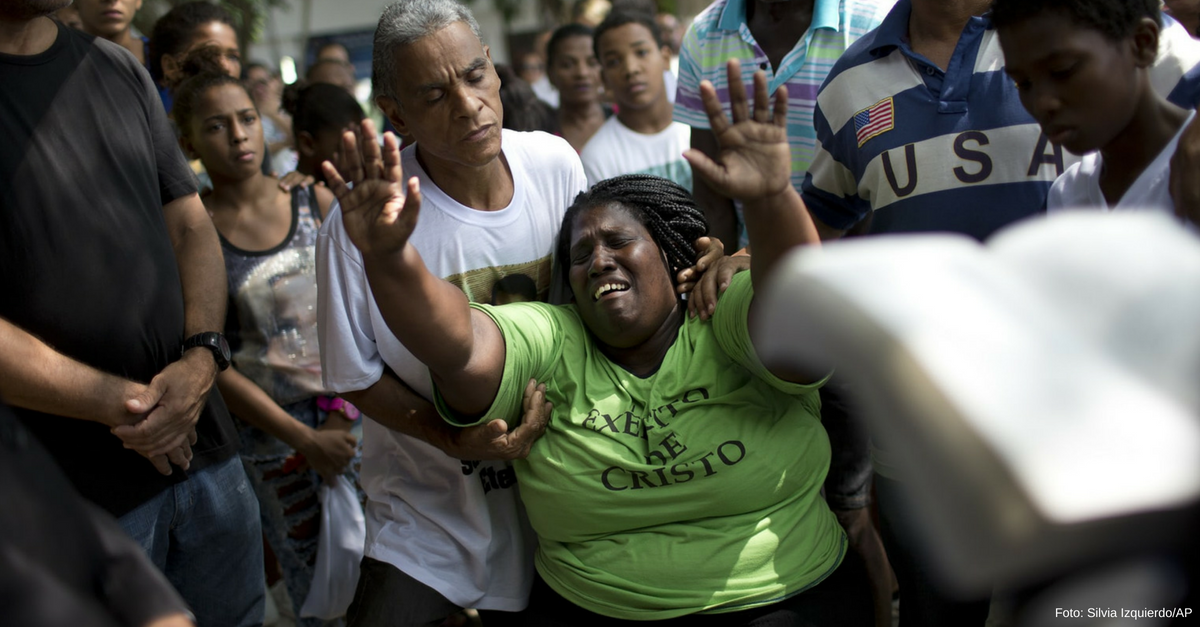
[[754, 160], [380, 211]]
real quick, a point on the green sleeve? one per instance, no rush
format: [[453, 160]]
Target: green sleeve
[[532, 344], [731, 327]]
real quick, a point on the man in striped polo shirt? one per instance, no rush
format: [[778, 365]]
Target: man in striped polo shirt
[[920, 129], [796, 43]]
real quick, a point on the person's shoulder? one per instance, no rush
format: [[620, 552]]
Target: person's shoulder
[[332, 227], [861, 52], [707, 21], [610, 127], [866, 13], [860, 77], [1073, 187], [114, 53], [679, 129], [537, 146], [562, 318]]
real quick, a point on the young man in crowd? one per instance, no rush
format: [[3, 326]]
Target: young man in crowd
[[445, 531], [641, 138], [1082, 70], [113, 20], [114, 298]]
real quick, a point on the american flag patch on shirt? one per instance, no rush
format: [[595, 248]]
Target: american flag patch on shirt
[[875, 119]]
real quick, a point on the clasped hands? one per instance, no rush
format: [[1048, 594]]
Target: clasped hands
[[158, 419]]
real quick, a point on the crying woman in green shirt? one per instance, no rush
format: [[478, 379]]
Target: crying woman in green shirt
[[679, 478]]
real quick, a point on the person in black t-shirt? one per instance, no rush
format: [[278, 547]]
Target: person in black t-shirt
[[114, 290]]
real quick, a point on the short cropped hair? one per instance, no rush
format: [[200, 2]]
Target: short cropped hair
[[1115, 19], [405, 22], [620, 18], [563, 33], [317, 107]]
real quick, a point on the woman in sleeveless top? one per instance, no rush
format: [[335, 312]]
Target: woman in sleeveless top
[[294, 436]]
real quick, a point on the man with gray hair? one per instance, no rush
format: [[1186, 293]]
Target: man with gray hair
[[444, 530]]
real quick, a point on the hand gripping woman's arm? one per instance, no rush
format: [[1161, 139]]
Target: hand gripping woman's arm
[[463, 348]]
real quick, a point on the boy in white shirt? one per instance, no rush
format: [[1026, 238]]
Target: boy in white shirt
[[1082, 69], [642, 138]]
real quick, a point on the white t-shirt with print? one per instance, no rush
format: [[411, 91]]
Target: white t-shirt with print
[[1079, 186], [616, 149], [455, 526]]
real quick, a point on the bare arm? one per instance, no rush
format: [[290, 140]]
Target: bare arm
[[394, 405], [718, 208], [329, 452], [201, 266], [176, 396], [827, 232], [754, 166], [35, 376], [463, 348]]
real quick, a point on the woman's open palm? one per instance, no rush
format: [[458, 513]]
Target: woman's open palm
[[754, 160], [380, 211]]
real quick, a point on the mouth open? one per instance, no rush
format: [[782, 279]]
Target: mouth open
[[609, 288]]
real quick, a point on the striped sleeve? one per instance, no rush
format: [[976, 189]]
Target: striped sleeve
[[688, 107]]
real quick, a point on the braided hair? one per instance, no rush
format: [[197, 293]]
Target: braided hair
[[665, 208]]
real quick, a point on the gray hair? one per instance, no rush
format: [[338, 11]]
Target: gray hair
[[405, 22]]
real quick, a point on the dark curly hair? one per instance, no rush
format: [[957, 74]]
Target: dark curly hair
[[665, 208], [172, 32], [619, 18], [315, 107], [561, 34], [1115, 19]]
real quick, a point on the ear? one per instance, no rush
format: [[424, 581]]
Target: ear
[[394, 112], [1145, 42], [185, 143], [137, 6], [487, 52], [306, 144], [170, 67]]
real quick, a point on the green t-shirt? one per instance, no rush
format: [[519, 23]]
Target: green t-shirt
[[694, 489]]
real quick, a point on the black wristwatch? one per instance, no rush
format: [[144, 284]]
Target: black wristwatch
[[214, 342]]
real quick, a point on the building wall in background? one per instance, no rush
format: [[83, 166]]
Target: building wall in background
[[287, 30]]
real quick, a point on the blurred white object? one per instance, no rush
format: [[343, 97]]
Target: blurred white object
[[1043, 390], [339, 551]]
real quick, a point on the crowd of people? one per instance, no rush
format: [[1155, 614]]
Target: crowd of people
[[518, 321]]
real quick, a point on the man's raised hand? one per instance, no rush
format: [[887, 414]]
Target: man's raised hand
[[380, 211]]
